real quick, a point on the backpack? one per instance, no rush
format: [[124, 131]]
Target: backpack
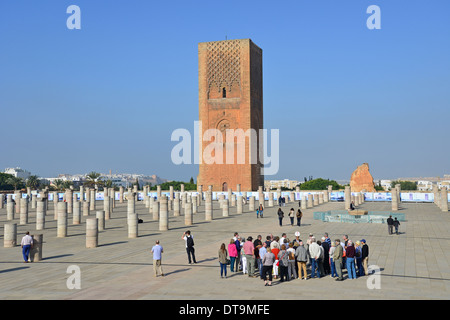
[[189, 241]]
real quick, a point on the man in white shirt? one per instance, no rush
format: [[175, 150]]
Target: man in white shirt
[[27, 244], [314, 251]]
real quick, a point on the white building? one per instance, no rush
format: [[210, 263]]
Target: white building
[[274, 184], [18, 172], [386, 184], [444, 184], [423, 185]]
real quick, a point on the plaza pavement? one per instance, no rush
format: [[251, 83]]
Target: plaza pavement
[[413, 264]]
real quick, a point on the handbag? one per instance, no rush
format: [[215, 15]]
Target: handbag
[[228, 262]]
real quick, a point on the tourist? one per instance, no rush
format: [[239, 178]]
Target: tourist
[[314, 251], [237, 242], [26, 244], [280, 216], [275, 250], [321, 258], [282, 240], [249, 251], [327, 239], [297, 237], [302, 257], [390, 223], [326, 256], [299, 217], [268, 241], [291, 216], [283, 263], [157, 251], [350, 260], [189, 241], [365, 256], [243, 256], [332, 264], [261, 211], [337, 259], [292, 271], [396, 225], [232, 253], [223, 261], [358, 257], [268, 261], [352, 206], [262, 252], [257, 213]]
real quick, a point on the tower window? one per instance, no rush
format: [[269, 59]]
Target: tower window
[[224, 92]]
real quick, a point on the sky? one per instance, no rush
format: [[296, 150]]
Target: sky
[[109, 95]]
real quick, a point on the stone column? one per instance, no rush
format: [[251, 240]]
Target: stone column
[[316, 199], [121, 194], [40, 214], [81, 193], [303, 205], [399, 192], [10, 208], [347, 197], [17, 199], [69, 200], [251, 204], [188, 219], [92, 197], [155, 210], [444, 199], [310, 202], [55, 205], [86, 208], [2, 199], [326, 197], [330, 190], [394, 200], [100, 215], [23, 211], [61, 230], [225, 208], [107, 207], [10, 235], [36, 249], [182, 188], [239, 205], [270, 199], [163, 214], [208, 207], [194, 205], [158, 192], [76, 212], [171, 193], [321, 198], [132, 225], [91, 233], [131, 204], [176, 205]]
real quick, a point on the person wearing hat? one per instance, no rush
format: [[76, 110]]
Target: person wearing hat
[[249, 251], [365, 256]]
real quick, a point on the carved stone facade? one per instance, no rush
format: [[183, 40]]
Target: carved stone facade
[[230, 97]]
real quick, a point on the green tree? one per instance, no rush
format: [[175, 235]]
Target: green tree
[[16, 182], [33, 182], [405, 185], [320, 184]]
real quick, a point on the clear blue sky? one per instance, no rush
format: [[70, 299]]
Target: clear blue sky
[[108, 96]]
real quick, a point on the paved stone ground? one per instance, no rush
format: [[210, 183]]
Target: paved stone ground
[[414, 264]]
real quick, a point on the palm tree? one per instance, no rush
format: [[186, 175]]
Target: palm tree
[[59, 184], [33, 182], [93, 179], [15, 182]]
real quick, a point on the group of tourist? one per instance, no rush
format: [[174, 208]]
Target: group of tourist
[[285, 259]]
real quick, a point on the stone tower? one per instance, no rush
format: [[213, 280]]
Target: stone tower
[[230, 97]]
